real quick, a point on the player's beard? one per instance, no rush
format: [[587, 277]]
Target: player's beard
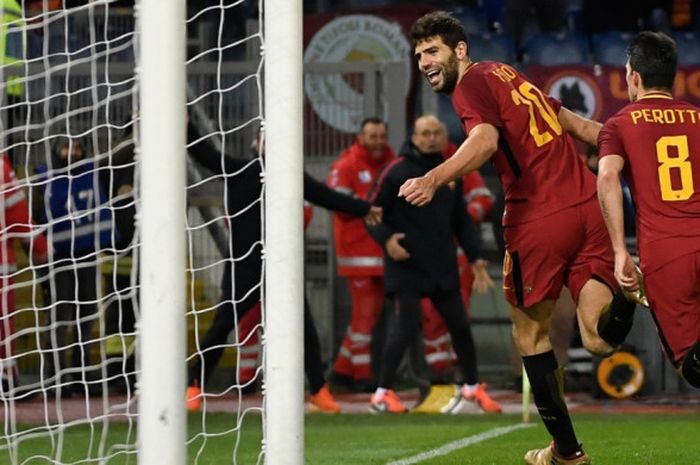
[[450, 75]]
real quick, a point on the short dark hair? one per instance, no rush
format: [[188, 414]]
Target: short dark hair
[[371, 120], [439, 24], [654, 56]]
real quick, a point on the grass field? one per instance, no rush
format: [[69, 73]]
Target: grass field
[[617, 439]]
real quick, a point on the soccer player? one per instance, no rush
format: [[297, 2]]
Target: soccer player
[[553, 229], [654, 142]]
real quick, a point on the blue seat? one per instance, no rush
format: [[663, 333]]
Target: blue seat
[[610, 48], [492, 47], [688, 44], [473, 19], [556, 49]]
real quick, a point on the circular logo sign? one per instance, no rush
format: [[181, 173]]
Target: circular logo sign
[[337, 98], [577, 92]]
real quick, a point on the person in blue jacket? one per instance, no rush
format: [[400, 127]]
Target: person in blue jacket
[[74, 206]]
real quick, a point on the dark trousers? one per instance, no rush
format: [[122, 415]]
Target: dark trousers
[[405, 323], [224, 322], [73, 296]]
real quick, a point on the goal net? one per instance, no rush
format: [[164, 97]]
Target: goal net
[[72, 351]]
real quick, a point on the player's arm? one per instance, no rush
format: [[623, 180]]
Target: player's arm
[[610, 199], [583, 129], [481, 144]]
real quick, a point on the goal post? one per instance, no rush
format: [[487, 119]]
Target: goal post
[[161, 47], [283, 301], [106, 333]]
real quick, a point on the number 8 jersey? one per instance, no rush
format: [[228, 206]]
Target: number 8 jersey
[[659, 139], [537, 161]]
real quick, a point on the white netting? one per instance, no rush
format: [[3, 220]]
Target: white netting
[[224, 181], [69, 317]]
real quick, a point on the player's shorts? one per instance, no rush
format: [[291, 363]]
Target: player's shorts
[[674, 296], [568, 247]]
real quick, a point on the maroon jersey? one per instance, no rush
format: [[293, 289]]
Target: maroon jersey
[[536, 160], [659, 139]]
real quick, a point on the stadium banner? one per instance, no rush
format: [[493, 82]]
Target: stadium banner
[[376, 35], [598, 92]]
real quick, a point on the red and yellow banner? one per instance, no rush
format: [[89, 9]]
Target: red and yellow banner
[[598, 92]]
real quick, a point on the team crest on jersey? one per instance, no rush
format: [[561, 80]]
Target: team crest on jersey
[[364, 176], [576, 91]]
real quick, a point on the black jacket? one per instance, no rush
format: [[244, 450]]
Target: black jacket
[[243, 204], [430, 230]]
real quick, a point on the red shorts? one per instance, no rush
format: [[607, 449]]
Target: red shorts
[[674, 295], [568, 247]]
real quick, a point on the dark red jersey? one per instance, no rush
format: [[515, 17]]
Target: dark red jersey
[[536, 160], [659, 139]]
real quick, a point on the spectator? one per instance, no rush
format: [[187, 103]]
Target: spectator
[[421, 260], [120, 317], [242, 191], [436, 338], [14, 223], [359, 257], [73, 205]]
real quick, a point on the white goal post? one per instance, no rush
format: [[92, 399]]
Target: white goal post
[[161, 153], [103, 115], [283, 302]]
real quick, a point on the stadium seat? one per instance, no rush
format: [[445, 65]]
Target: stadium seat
[[492, 47], [610, 48], [688, 44], [474, 19], [556, 49]]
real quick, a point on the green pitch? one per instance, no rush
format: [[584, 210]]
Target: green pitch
[[368, 439]]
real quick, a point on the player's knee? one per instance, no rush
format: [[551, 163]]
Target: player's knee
[[531, 339], [690, 366]]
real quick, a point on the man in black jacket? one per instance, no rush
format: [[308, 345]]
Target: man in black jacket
[[421, 261], [243, 209]]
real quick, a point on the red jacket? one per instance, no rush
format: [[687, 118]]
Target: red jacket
[[353, 173], [14, 220]]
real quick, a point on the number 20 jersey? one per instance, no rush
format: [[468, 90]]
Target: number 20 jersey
[[536, 160], [659, 139]]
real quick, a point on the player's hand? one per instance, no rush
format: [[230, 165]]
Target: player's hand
[[418, 191], [625, 272], [395, 249], [373, 216], [482, 280]]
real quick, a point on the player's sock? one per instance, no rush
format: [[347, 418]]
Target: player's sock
[[616, 320], [547, 382], [690, 367]]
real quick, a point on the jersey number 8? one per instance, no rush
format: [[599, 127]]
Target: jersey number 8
[[680, 162]]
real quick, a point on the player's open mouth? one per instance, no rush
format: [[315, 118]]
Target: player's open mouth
[[433, 76]]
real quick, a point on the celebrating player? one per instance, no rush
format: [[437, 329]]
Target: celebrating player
[[655, 143], [553, 229]]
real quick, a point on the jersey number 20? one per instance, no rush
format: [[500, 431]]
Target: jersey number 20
[[529, 95], [680, 162]]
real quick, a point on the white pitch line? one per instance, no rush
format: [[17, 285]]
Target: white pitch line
[[459, 444]]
